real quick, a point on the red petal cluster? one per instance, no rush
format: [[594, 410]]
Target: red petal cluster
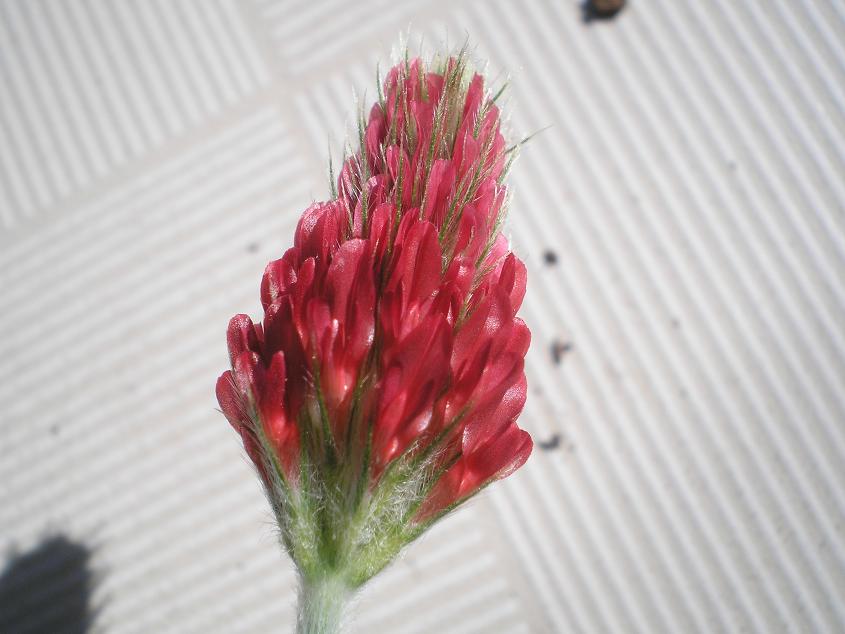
[[390, 326]]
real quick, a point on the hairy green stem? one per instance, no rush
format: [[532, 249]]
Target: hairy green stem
[[321, 605]]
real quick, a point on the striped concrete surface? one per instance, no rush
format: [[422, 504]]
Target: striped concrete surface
[[682, 216]]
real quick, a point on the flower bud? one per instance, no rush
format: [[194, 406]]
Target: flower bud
[[382, 388]]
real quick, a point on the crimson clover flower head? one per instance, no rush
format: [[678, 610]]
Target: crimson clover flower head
[[382, 387]]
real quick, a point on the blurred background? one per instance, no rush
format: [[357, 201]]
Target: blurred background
[[683, 221]]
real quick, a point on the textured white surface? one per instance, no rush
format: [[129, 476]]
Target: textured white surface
[[154, 155]]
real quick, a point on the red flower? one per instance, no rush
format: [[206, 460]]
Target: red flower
[[390, 334]]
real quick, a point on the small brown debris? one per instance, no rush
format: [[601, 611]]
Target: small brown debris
[[552, 443], [559, 349], [602, 9], [550, 257]]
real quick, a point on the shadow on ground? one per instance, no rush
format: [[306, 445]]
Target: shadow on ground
[[47, 589]]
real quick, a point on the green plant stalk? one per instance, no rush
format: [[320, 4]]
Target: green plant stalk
[[322, 603]]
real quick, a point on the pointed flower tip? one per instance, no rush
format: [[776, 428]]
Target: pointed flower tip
[[390, 351]]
